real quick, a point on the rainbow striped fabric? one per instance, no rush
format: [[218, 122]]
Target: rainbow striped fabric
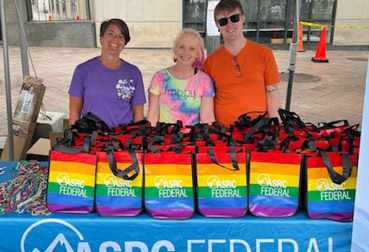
[[274, 183], [221, 192], [169, 190], [326, 199], [71, 185], [116, 196]]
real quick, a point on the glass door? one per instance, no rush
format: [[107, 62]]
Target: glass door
[[321, 12]]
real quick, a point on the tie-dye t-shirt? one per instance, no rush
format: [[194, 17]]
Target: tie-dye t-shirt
[[180, 99]]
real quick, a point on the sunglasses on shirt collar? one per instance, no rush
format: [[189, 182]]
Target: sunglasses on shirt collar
[[224, 21]]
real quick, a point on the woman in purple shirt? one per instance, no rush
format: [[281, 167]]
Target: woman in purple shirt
[[106, 85]]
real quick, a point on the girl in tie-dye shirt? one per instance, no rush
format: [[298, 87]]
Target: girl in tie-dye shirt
[[183, 91]]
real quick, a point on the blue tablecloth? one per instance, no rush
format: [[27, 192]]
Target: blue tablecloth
[[90, 232]]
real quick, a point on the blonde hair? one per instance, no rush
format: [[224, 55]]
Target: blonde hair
[[199, 62]]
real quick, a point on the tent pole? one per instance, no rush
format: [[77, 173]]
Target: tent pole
[[7, 81], [22, 38], [293, 53]]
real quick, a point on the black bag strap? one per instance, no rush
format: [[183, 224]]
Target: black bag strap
[[262, 122], [65, 145], [123, 173], [335, 176], [289, 120], [89, 122], [232, 152], [333, 124]]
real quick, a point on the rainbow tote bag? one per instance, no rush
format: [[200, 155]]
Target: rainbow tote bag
[[222, 182], [117, 194], [330, 186], [169, 185], [71, 182], [274, 183]]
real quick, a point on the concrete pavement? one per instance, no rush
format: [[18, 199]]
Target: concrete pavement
[[321, 92]]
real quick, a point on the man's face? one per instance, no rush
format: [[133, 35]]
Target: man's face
[[230, 24]]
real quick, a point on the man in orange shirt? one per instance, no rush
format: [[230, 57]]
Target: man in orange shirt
[[245, 73]]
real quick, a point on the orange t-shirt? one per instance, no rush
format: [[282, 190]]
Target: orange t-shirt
[[235, 96]]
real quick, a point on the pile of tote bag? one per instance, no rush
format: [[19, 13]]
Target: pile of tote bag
[[257, 167]]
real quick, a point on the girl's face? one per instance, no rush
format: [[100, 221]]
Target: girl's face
[[112, 42], [187, 49]]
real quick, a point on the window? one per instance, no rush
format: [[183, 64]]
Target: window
[[270, 21], [194, 15], [43, 10]]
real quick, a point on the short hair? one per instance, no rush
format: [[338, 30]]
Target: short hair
[[121, 25], [198, 63], [227, 6]]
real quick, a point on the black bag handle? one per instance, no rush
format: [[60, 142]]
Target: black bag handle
[[123, 173], [289, 120], [65, 145], [335, 176], [88, 123], [333, 124], [232, 151]]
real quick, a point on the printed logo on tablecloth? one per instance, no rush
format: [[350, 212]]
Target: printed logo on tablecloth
[[65, 239], [273, 187]]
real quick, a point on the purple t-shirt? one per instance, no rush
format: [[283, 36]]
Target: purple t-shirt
[[109, 94]]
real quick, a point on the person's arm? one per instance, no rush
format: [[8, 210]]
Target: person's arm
[[138, 114], [273, 101], [153, 111], [207, 110], [75, 108]]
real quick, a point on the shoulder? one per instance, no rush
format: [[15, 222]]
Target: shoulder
[[87, 64], [126, 66], [160, 75], [259, 48], [217, 53], [203, 76]]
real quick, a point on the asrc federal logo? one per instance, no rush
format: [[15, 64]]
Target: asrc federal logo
[[265, 180], [330, 191], [272, 187], [64, 237], [322, 185], [162, 182], [57, 242], [64, 179], [223, 188], [170, 188], [119, 187], [112, 181], [213, 181]]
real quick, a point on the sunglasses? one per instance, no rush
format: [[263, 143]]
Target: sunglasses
[[236, 68], [224, 21]]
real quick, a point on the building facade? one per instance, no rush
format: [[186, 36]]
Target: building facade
[[155, 23]]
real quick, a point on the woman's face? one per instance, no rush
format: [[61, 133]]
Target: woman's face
[[232, 30], [187, 49], [112, 42]]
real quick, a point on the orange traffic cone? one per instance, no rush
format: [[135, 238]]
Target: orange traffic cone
[[320, 51], [300, 47]]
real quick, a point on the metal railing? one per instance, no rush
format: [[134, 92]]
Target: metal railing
[[58, 10]]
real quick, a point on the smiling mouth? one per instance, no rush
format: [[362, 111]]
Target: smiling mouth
[[185, 58], [231, 30]]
